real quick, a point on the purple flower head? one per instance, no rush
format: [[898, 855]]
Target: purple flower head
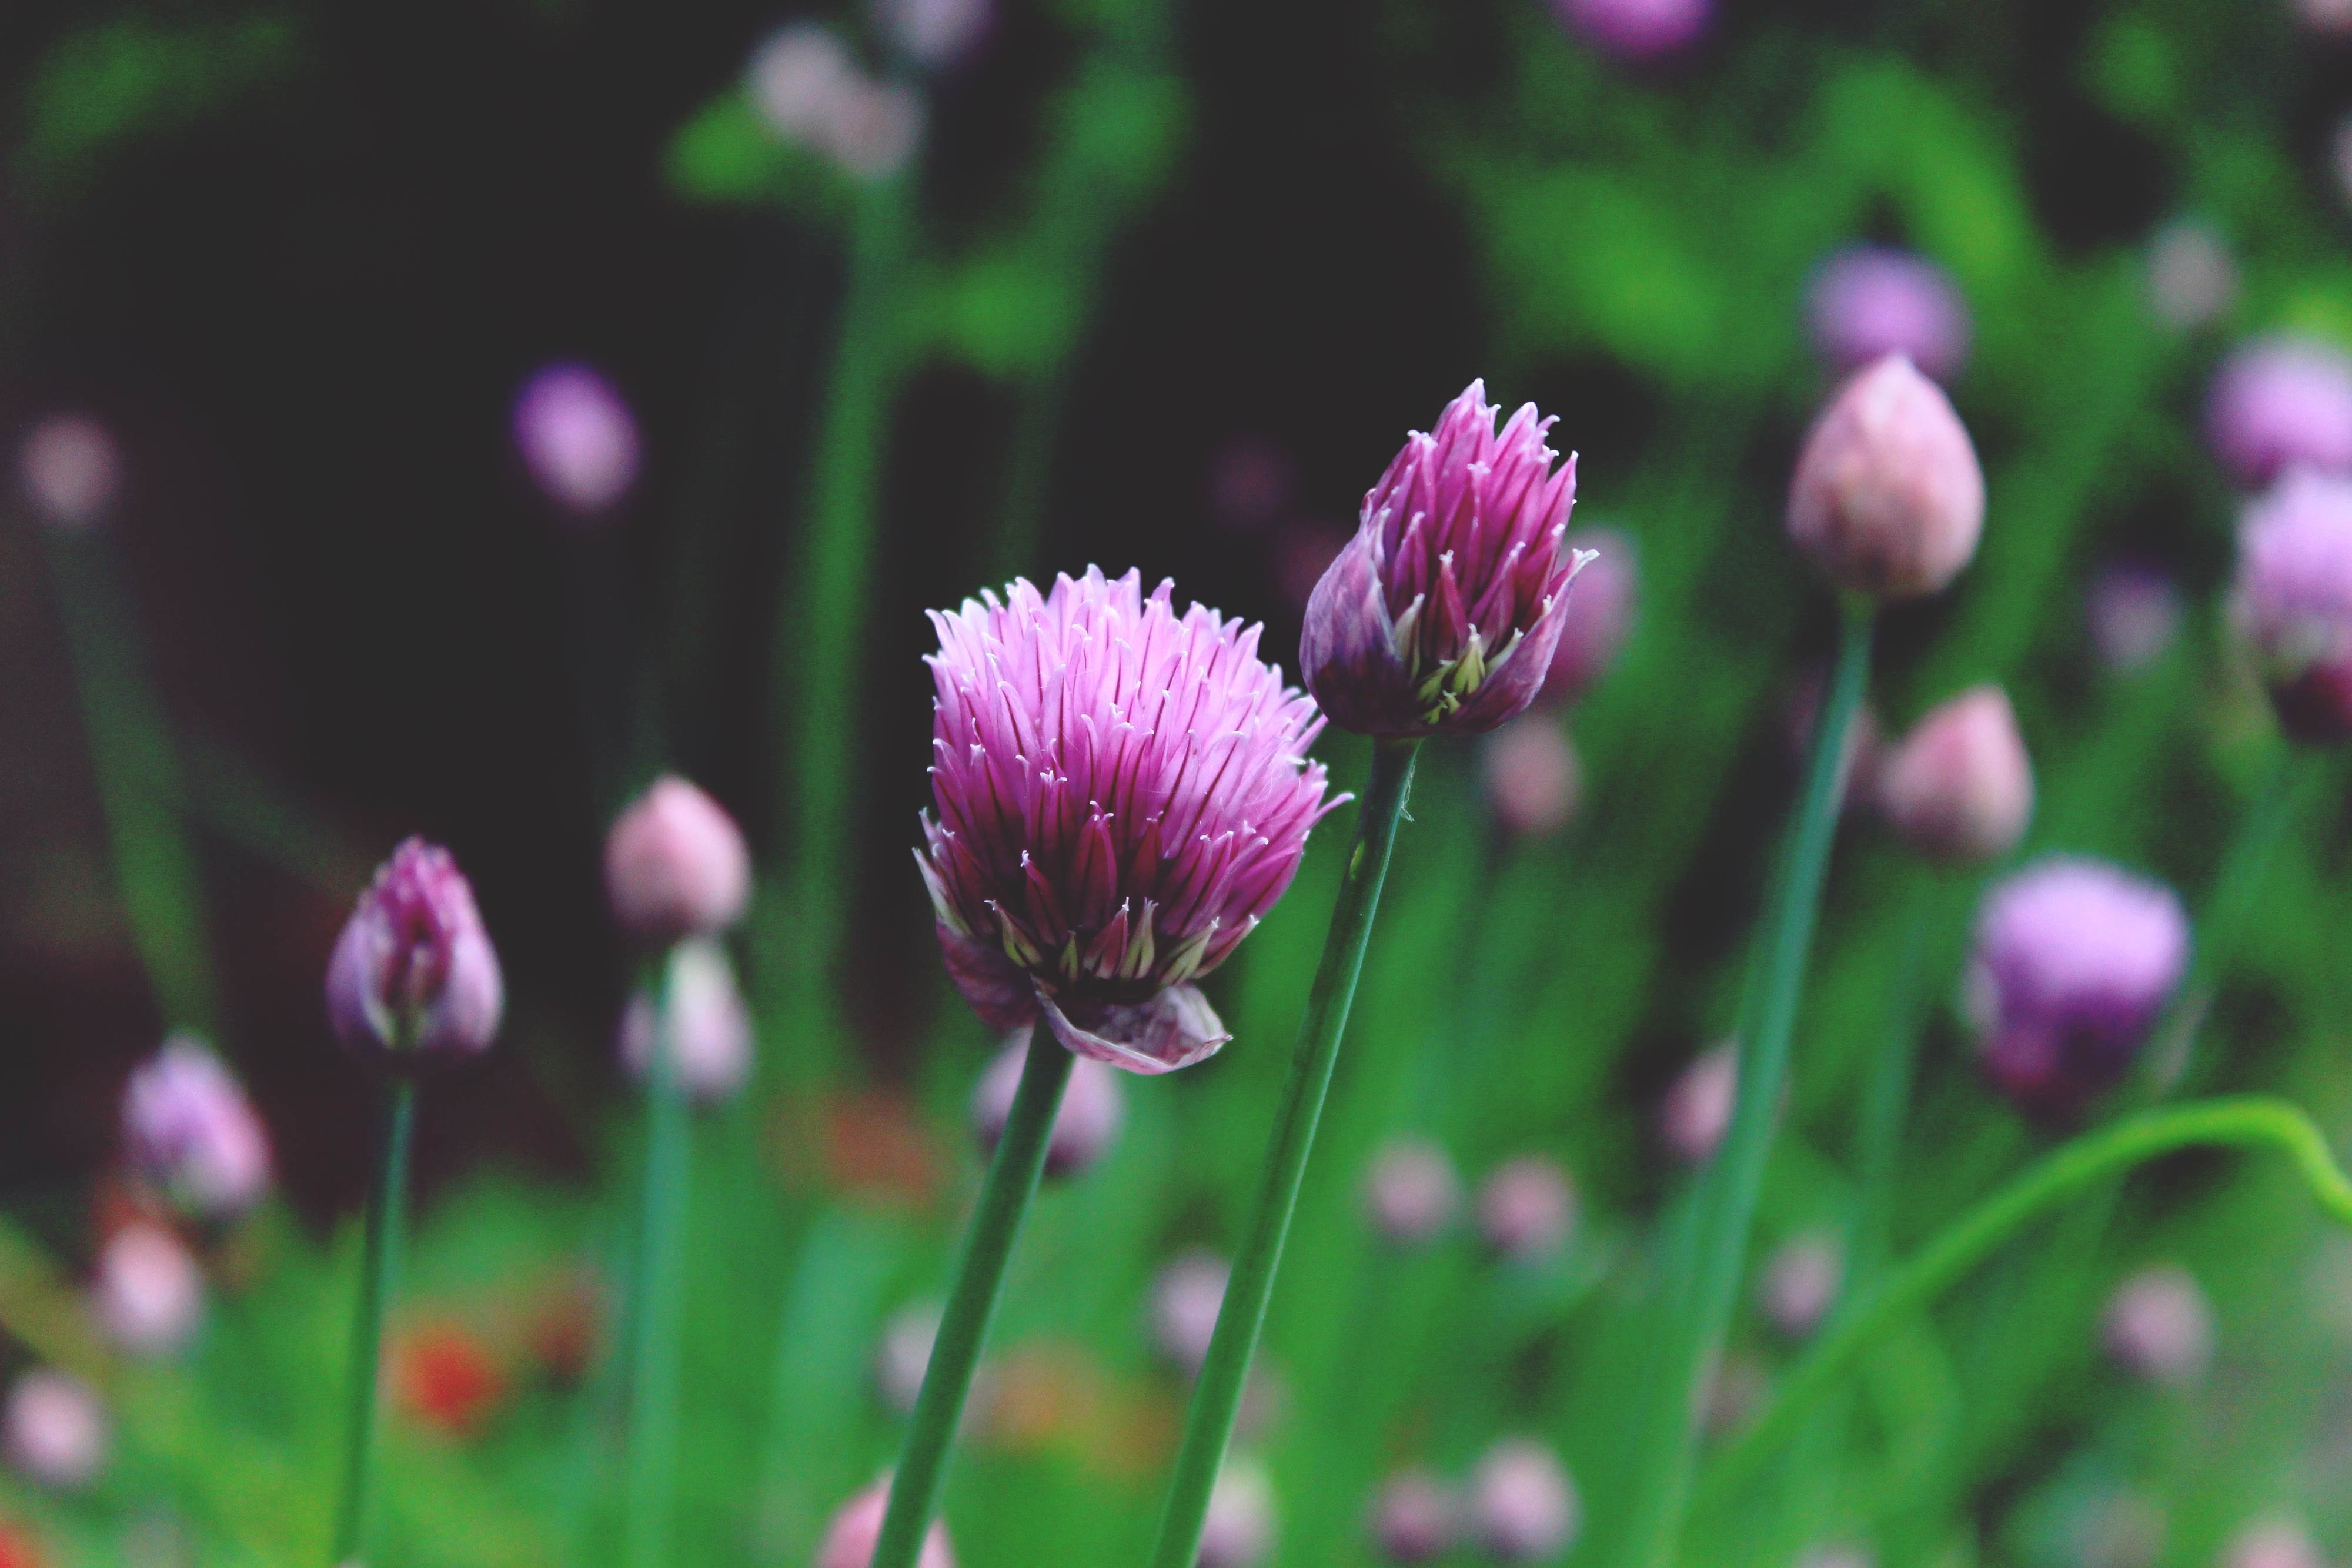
[[2277, 403], [2075, 961], [1960, 787], [676, 865], [1888, 498], [709, 1026], [805, 86], [1122, 793], [1870, 301], [1093, 1109], [414, 981], [1416, 1517], [1636, 29], [1442, 614], [1695, 1111], [577, 437], [54, 1429], [1523, 1506], [2293, 600], [192, 1133], [149, 1294], [1589, 640]]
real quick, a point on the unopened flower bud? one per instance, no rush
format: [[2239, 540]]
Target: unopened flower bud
[[1636, 30], [2158, 1326], [55, 1430], [1238, 1530], [69, 470], [1888, 498], [2292, 602], [414, 982], [2192, 280], [1411, 1192], [708, 1024], [1526, 1209], [1592, 636], [149, 1294], [850, 1539], [1415, 1518], [2273, 1542], [2328, 18], [807, 88], [935, 35], [1523, 1506], [192, 1132], [1801, 1283], [1696, 1110], [2135, 613], [577, 438], [1960, 787], [2281, 403], [1093, 1109], [1533, 783], [1871, 301], [676, 865], [1185, 1300]]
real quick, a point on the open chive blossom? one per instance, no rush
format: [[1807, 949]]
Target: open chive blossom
[[1441, 615], [1123, 791]]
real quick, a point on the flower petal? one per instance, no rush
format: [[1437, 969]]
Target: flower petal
[[1175, 1028]]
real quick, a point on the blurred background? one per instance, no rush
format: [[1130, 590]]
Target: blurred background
[[441, 418]]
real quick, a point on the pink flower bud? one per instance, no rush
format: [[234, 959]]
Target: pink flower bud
[[1696, 1110], [1871, 301], [1636, 30], [1094, 1108], [1801, 1283], [1442, 613], [2292, 602], [807, 88], [2192, 280], [414, 982], [1960, 787], [1238, 1530], [2278, 403], [1533, 783], [55, 1430], [1523, 1506], [1526, 1209], [850, 1539], [2158, 1327], [2135, 614], [149, 1294], [676, 866], [1888, 498], [192, 1133], [1415, 1518], [577, 438], [1411, 1192], [2276, 1542], [70, 471], [1185, 1300], [710, 1024], [934, 34], [1590, 637]]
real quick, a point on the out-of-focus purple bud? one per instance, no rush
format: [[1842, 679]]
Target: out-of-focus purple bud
[[880, 126], [808, 90], [414, 982], [935, 35], [192, 1132], [1238, 1530], [2074, 962], [2121, 1528], [1523, 1507], [905, 1354], [1801, 1283], [1590, 638], [2328, 18], [1696, 1110], [1871, 301], [1415, 1518], [70, 471], [2135, 613], [2273, 1543], [708, 1022], [148, 1293], [2192, 280], [2292, 602], [1411, 1192], [676, 865], [2279, 403], [1888, 498], [1526, 1209], [1836, 1554], [1442, 613], [1533, 783], [1636, 29], [1185, 1300], [1960, 787], [57, 1431], [577, 437], [857, 1528], [1094, 1108], [2158, 1326], [1250, 484]]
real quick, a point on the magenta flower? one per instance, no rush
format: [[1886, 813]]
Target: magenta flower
[[191, 1132], [1637, 30], [1960, 786], [2278, 403], [2293, 600], [1122, 793], [1442, 613], [1523, 1506], [676, 865], [414, 981], [1870, 301], [577, 437]]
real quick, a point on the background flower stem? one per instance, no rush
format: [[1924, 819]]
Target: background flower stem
[[1701, 1307], [1217, 1397], [1004, 1196], [654, 1339], [379, 1274]]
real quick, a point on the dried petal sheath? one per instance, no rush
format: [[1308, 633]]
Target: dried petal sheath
[[1122, 793], [1442, 614]]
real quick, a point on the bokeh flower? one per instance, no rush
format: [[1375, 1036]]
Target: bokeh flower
[[2292, 601], [1238, 1531], [2158, 1326], [446, 1379], [708, 1024], [1605, 594], [54, 1429], [1093, 1109], [1695, 1111], [71, 470], [934, 34], [808, 90], [1186, 1297], [2134, 610], [2279, 403], [1533, 782], [192, 1132], [1523, 1506], [1122, 793], [857, 1528], [1888, 498], [676, 865], [577, 437], [1526, 1209], [1801, 1283], [1636, 29], [1415, 1518], [2274, 1542], [2192, 281], [1441, 615], [1869, 301], [1411, 1192], [148, 1293], [1960, 787], [414, 982]]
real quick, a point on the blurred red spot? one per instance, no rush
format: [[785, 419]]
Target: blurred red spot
[[444, 1377], [17, 1547]]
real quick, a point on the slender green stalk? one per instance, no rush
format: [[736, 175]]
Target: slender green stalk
[[1004, 1196], [2244, 1122], [379, 1274], [660, 1295], [1887, 1101], [1702, 1309], [1217, 1396]]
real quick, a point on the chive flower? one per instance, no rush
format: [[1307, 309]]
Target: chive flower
[[414, 981], [193, 1134], [1960, 787], [2292, 602], [1888, 498]]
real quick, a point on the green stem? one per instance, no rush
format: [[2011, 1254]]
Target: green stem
[[1704, 1302], [1005, 1195], [660, 1295], [1217, 1397], [1888, 1099], [2242, 1122], [386, 1209]]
